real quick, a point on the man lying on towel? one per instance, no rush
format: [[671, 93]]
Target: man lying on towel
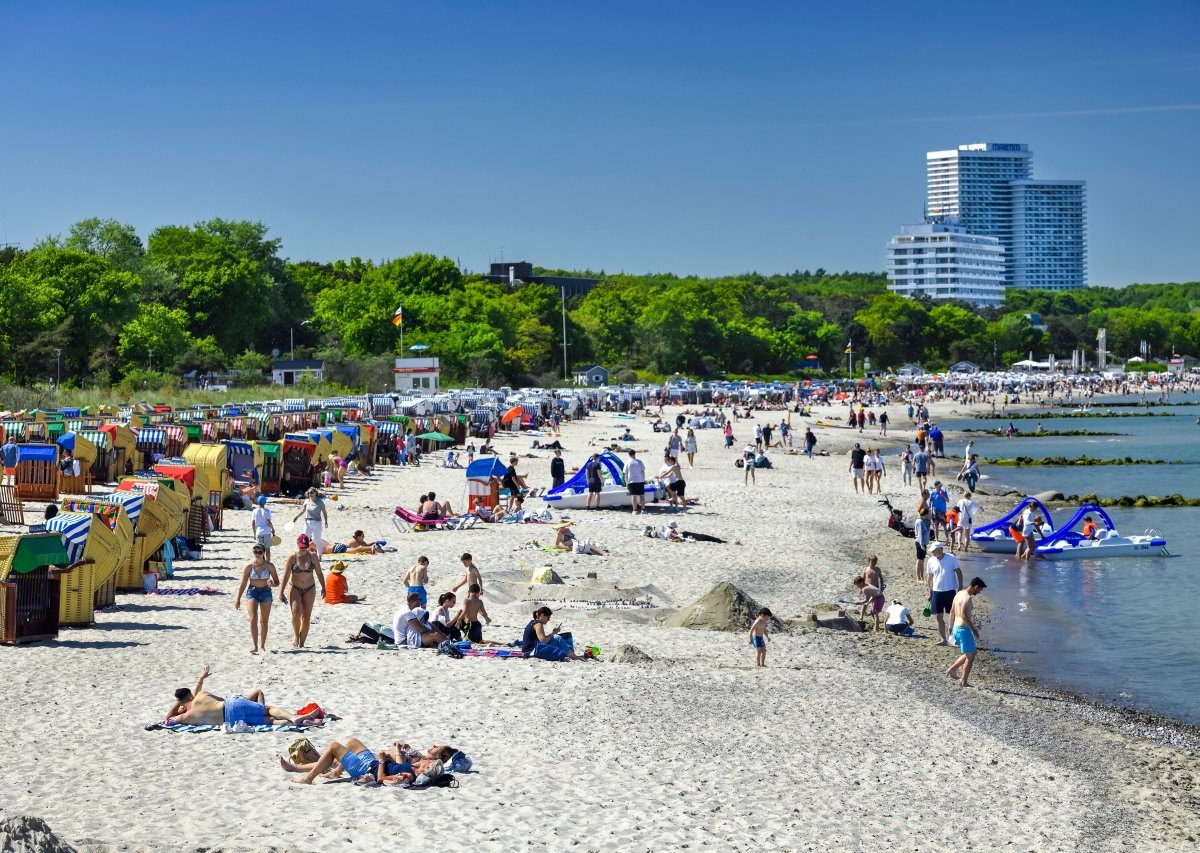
[[198, 707]]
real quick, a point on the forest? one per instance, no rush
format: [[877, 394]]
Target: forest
[[100, 306]]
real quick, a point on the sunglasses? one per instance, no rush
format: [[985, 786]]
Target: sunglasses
[[259, 551]]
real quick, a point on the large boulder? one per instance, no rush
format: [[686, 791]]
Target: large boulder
[[722, 608], [24, 834]]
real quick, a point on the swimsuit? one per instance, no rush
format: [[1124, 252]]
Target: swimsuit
[[758, 642], [475, 631], [241, 710], [303, 590], [361, 763], [965, 639], [419, 590]]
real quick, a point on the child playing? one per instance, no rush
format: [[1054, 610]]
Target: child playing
[[759, 636], [471, 574], [417, 577]]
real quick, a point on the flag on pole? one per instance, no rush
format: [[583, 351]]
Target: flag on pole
[[849, 346], [398, 317]]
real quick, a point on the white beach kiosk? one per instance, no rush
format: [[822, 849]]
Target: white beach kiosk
[[418, 374]]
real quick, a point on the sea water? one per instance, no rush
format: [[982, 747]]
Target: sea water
[[1121, 630]]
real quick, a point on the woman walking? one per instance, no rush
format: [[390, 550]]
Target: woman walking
[[258, 577], [689, 447], [315, 517], [302, 572]]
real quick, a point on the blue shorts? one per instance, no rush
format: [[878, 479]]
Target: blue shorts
[[261, 594], [965, 639], [359, 763], [239, 709], [419, 590], [339, 548], [942, 602], [758, 642]]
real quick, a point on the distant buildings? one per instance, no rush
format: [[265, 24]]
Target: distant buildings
[[512, 272], [418, 374], [945, 262], [290, 372], [593, 376], [987, 189]]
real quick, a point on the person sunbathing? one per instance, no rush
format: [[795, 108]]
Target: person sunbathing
[[358, 544], [431, 509], [356, 759], [198, 707], [566, 540]]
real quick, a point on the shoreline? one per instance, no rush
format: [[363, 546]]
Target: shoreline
[[1129, 719]]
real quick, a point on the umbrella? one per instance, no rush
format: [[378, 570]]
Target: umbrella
[[435, 436]]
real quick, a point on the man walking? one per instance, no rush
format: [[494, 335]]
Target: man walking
[[595, 482], [943, 578], [635, 482], [857, 462], [9, 455], [921, 466], [965, 633]]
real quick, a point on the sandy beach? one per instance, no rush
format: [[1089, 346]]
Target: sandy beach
[[846, 741]]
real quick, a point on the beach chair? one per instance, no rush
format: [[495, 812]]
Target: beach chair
[[272, 466], [37, 472], [115, 515], [32, 566], [12, 511], [405, 520], [93, 550]]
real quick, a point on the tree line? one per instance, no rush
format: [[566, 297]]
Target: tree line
[[99, 305]]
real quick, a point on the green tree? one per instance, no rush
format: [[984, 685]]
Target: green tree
[[156, 335]]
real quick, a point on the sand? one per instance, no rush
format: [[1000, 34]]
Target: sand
[[846, 740]]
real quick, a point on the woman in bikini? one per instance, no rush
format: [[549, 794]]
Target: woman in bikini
[[259, 576], [299, 570]]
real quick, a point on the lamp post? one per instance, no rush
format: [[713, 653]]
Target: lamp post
[[57, 367]]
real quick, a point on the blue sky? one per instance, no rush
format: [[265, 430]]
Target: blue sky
[[692, 137]]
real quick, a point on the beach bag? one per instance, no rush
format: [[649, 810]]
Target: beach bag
[[447, 647], [302, 751], [459, 762]]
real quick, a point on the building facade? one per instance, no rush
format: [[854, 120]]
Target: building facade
[[945, 261], [1049, 223], [988, 188]]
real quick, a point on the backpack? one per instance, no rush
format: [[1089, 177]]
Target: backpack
[[447, 647]]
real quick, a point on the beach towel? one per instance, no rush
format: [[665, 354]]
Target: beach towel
[[192, 590], [236, 728], [492, 652]]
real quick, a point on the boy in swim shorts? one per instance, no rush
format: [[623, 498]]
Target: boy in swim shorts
[[759, 636]]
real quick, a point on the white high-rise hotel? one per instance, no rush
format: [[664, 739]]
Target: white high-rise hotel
[[987, 189]]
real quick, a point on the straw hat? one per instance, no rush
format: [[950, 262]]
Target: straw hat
[[562, 524], [338, 567]]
